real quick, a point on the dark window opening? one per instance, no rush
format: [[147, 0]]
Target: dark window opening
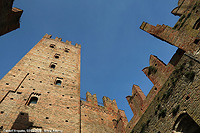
[[196, 41], [66, 120], [186, 124], [33, 100], [187, 97], [11, 98], [67, 50], [2, 112], [1, 127], [58, 82], [47, 117], [53, 66], [22, 113], [155, 89], [57, 56], [67, 107], [155, 64], [52, 46], [7, 83], [19, 92]]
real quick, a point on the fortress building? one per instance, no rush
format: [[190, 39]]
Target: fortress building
[[42, 91]]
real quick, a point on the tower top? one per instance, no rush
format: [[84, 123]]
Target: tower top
[[60, 40]]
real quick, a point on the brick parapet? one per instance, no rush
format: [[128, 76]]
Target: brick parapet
[[47, 36], [165, 33], [108, 104]]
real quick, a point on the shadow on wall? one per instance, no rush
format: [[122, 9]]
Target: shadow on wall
[[22, 122]]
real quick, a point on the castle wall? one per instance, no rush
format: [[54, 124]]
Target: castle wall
[[179, 95], [98, 118]]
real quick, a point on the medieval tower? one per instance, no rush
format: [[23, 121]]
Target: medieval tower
[[41, 93]]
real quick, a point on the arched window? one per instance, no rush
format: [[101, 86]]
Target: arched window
[[33, 100], [185, 124], [197, 25]]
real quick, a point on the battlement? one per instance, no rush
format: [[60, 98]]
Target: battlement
[[108, 104], [155, 71], [106, 116], [60, 40], [174, 37], [91, 98], [136, 100]]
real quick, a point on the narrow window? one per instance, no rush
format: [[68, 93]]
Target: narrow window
[[58, 81], [52, 46], [67, 50], [196, 41], [57, 56], [33, 100], [53, 65]]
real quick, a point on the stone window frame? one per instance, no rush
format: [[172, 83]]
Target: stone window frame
[[53, 63], [57, 56], [37, 95], [67, 50], [58, 79]]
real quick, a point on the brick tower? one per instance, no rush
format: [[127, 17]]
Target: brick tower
[[42, 91]]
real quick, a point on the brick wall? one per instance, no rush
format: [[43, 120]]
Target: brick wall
[[51, 73]]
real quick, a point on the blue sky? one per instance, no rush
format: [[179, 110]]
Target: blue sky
[[114, 49]]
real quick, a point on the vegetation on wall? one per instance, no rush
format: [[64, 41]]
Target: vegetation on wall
[[190, 75], [152, 70]]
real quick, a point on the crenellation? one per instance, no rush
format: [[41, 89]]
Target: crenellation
[[110, 104], [91, 98], [58, 39], [47, 36]]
